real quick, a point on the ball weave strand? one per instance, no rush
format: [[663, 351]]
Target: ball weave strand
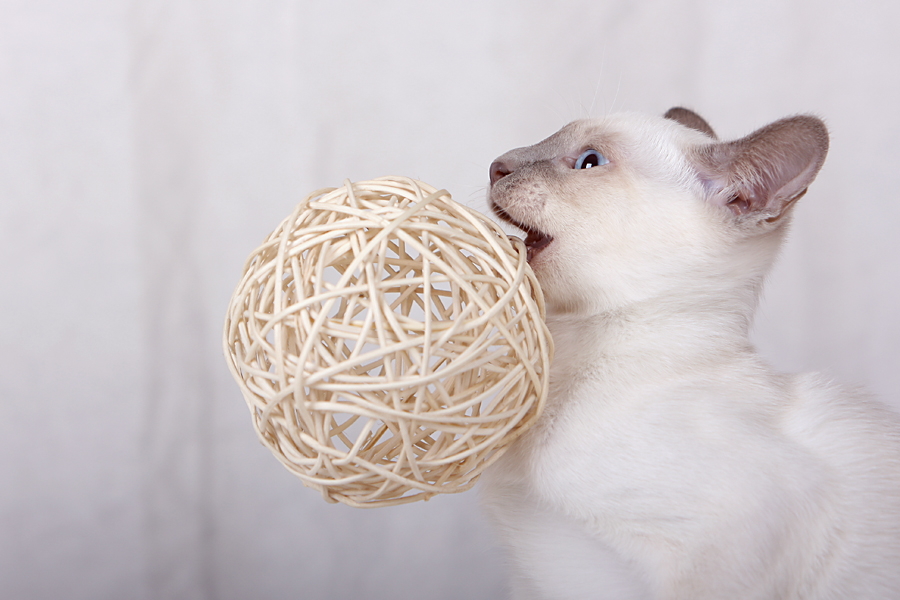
[[389, 342]]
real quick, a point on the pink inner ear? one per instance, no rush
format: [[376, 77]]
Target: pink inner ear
[[738, 205], [765, 172]]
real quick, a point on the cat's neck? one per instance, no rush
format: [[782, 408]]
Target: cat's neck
[[662, 337]]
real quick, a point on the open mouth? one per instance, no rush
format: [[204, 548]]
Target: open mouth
[[535, 240]]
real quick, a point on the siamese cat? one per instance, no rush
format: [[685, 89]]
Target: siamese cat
[[671, 462]]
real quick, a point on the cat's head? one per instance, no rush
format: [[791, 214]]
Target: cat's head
[[634, 209]]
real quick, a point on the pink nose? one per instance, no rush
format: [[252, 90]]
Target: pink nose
[[499, 170]]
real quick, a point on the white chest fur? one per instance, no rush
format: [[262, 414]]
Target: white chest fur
[[723, 482]]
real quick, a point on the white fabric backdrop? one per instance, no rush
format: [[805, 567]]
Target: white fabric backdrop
[[147, 147]]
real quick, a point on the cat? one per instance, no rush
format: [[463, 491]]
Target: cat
[[670, 461]]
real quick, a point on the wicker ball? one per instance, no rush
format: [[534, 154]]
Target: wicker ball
[[389, 342]]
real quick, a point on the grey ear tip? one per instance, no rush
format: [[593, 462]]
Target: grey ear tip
[[676, 111], [820, 125], [815, 127], [811, 121], [690, 119]]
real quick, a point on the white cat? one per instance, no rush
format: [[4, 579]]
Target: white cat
[[671, 462]]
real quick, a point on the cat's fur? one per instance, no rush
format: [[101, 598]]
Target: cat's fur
[[671, 462]]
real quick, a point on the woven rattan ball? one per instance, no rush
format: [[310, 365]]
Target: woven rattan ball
[[389, 342]]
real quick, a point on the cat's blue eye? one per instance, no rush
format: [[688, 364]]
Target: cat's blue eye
[[590, 158]]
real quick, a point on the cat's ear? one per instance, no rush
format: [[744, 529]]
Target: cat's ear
[[759, 177], [689, 118]]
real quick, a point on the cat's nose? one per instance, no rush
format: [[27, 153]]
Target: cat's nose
[[499, 170]]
